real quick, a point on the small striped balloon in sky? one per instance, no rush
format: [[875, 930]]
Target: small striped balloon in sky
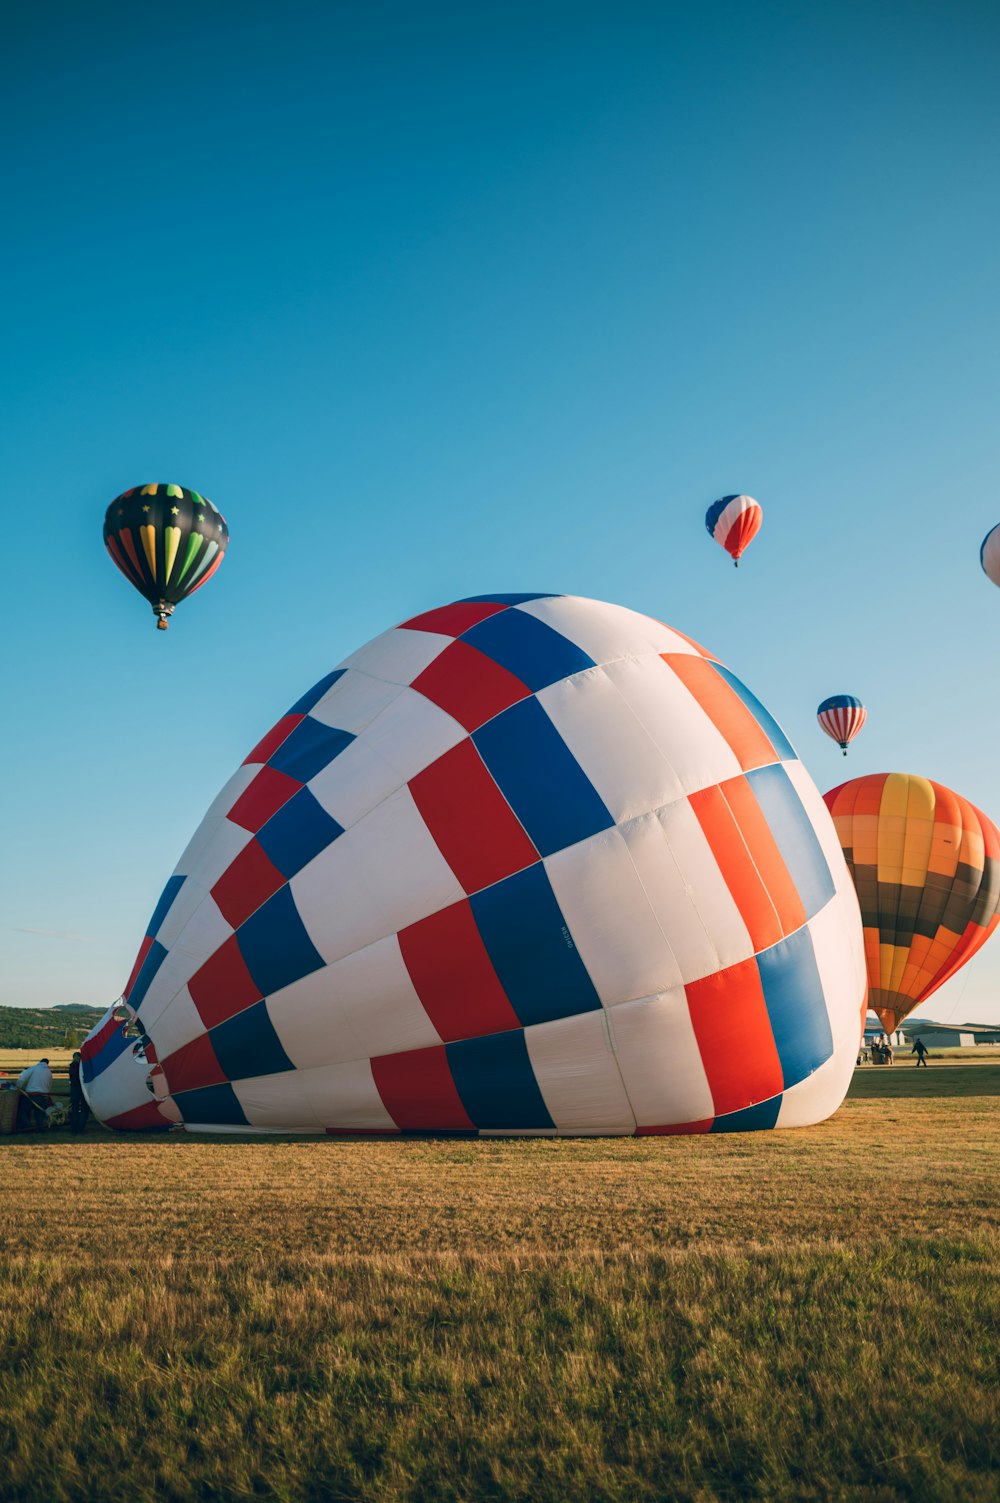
[[734, 522], [841, 717], [989, 554]]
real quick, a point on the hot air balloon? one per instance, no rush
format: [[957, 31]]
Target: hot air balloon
[[734, 522], [525, 863], [989, 554], [841, 717], [926, 865], [167, 541]]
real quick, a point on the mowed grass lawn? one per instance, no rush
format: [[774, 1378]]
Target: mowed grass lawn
[[800, 1315]]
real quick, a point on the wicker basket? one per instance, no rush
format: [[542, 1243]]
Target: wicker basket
[[8, 1110]]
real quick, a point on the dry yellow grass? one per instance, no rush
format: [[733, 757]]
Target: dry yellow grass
[[806, 1315]]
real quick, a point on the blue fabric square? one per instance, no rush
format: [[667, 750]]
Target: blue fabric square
[[211, 1106], [298, 832], [494, 1078], [796, 839], [796, 1007], [526, 647], [308, 749], [275, 946], [531, 948], [247, 1044], [772, 730], [540, 778], [751, 1119], [165, 903], [315, 694], [150, 966]]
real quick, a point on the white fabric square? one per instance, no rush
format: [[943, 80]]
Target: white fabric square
[[346, 1096], [181, 910], [697, 752], [396, 858], [178, 1023], [399, 655], [577, 1075], [221, 844], [353, 702], [820, 1094], [407, 736], [687, 892], [411, 733], [610, 742], [334, 903], [378, 1000], [354, 782], [278, 1101], [604, 631], [609, 916], [310, 1022], [659, 1060]]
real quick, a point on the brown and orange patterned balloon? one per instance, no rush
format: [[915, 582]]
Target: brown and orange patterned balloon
[[926, 866]]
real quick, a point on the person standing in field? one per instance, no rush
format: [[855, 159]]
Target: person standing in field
[[920, 1050], [35, 1087], [78, 1108]]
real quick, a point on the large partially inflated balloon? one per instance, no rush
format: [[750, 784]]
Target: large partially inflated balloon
[[734, 522], [926, 864], [167, 541], [526, 863]]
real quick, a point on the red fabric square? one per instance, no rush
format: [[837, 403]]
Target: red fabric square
[[469, 685], [418, 1091], [454, 977], [452, 620], [264, 797], [474, 827], [269, 744], [223, 986], [675, 1130], [193, 1065], [737, 1047], [147, 1117], [246, 883]]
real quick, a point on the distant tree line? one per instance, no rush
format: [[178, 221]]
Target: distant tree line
[[46, 1027]]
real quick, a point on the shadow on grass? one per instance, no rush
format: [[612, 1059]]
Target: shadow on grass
[[939, 1079]]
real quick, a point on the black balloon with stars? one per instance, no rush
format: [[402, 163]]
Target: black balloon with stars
[[166, 540]]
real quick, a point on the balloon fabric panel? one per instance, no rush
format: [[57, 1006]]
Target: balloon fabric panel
[[525, 863]]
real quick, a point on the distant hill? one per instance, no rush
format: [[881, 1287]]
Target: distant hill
[[41, 1027]]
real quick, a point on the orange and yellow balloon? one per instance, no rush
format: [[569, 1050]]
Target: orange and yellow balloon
[[926, 866]]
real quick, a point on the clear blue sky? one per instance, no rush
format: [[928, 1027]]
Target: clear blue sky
[[435, 299]]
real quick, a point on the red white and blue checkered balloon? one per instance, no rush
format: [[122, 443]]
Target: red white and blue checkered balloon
[[523, 864]]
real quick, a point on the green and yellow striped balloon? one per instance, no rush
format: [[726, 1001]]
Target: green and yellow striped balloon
[[167, 541]]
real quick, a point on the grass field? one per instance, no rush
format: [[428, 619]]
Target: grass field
[[777, 1316]]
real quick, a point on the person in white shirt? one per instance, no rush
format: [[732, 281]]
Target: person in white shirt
[[35, 1086]]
